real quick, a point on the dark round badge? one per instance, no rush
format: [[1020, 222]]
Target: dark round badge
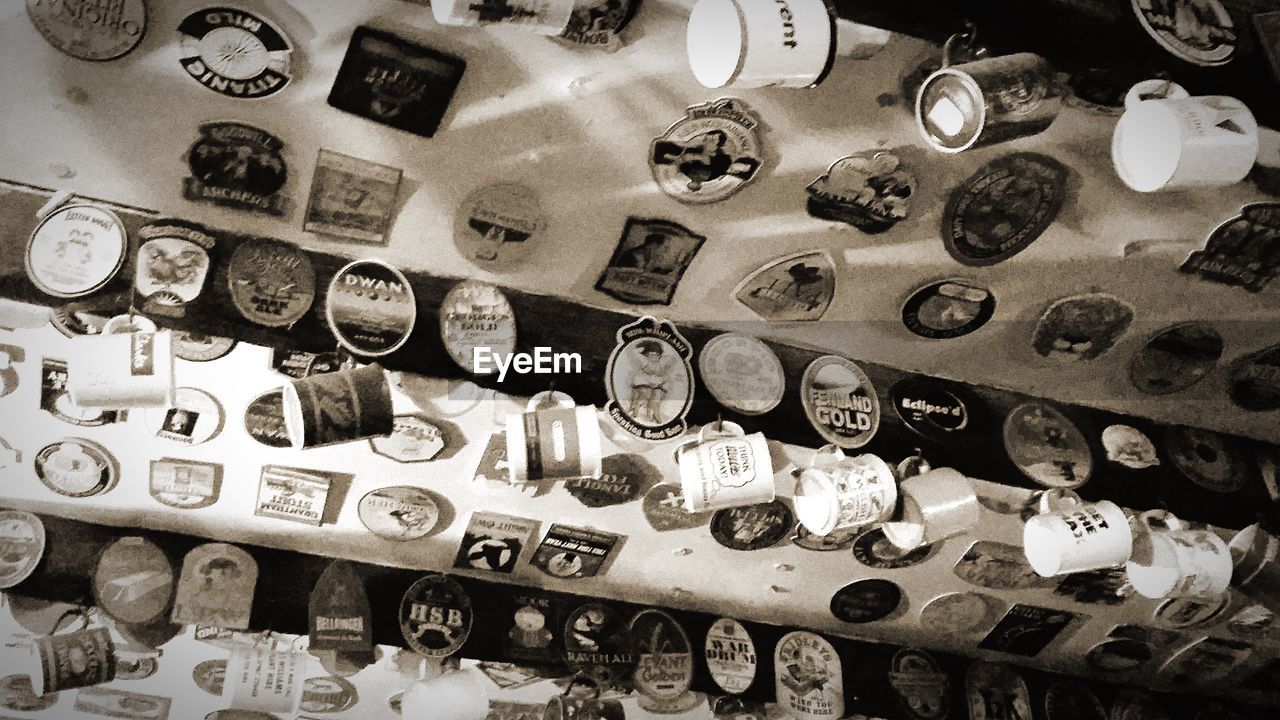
[[1186, 613], [264, 420], [133, 582], [802, 538], [197, 347], [1176, 358], [370, 308], [435, 616], [76, 467], [101, 31], [840, 401], [752, 527], [1003, 208], [598, 643], [1081, 327], [871, 191], [272, 283], [1046, 446], [937, 410], [22, 541], [399, 513], [234, 52], [664, 509], [948, 309], [1213, 461], [866, 601], [1255, 381], [1119, 654], [1200, 31], [874, 550], [1070, 700], [209, 676]]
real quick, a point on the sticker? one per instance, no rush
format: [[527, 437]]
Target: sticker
[[938, 410], [76, 250], [1130, 447], [996, 692], [1119, 655], [494, 542], [752, 527], [120, 704], [1027, 629], [338, 614], [1254, 622], [173, 263], [476, 315], [72, 320], [435, 616], [599, 23], [237, 166], [809, 681], [55, 400], [1046, 446], [866, 601], [920, 683], [838, 540], [568, 552], [136, 668], [493, 466], [998, 566], [598, 643], [742, 373], [234, 52], [1255, 380], [649, 380], [963, 613], [414, 439], [194, 418], [1108, 586], [1200, 32], [840, 401], [871, 191], [649, 261], [209, 676], [1081, 327], [22, 542], [528, 637], [664, 659], [791, 288], [198, 347], [298, 364], [664, 509], [1176, 358], [1241, 251], [216, 587], [90, 33], [874, 550], [1213, 461], [352, 199], [1186, 613], [370, 308], [1003, 208], [731, 656], [133, 582], [328, 695], [1071, 700], [272, 283], [1209, 660], [76, 467], [295, 494], [264, 420], [392, 81], [497, 226], [622, 477], [708, 155]]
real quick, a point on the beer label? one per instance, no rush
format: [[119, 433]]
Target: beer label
[[649, 380], [1128, 446], [569, 552], [1027, 629], [370, 308], [494, 542], [498, 226], [996, 692], [327, 694], [840, 401], [752, 527], [198, 347], [120, 704], [94, 32], [937, 410], [209, 676], [194, 418], [237, 166], [731, 656], [264, 420], [216, 587], [1109, 586], [1201, 33], [1081, 327], [599, 24], [871, 191], [76, 467], [649, 261], [709, 154], [399, 513], [133, 582], [272, 283], [264, 679], [1241, 251], [1213, 461], [1254, 383], [22, 542], [838, 540], [874, 550], [809, 680], [414, 439], [664, 658], [598, 643], [234, 52], [948, 309], [998, 566], [55, 400], [338, 611], [435, 616], [961, 613], [76, 250], [530, 636], [474, 315], [920, 683], [1046, 446], [351, 198], [1071, 700], [664, 509], [1210, 660], [1186, 613], [293, 494], [794, 287], [865, 601], [173, 263], [1176, 358], [620, 480], [742, 373], [1003, 208]]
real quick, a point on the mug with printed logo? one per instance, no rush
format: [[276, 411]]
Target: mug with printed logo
[[836, 493], [1069, 535], [723, 467], [1171, 559], [554, 439], [751, 43], [126, 366]]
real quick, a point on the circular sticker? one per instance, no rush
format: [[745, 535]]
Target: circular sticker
[[370, 308], [413, 439], [264, 420], [76, 467], [1214, 462], [328, 695], [399, 513], [664, 657], [475, 317], [1128, 446], [742, 373], [1070, 700], [17, 694], [21, 546], [838, 540], [209, 676], [709, 154], [752, 527], [731, 656], [272, 283], [1184, 613], [435, 616], [1119, 654], [664, 509], [136, 668], [1176, 358], [874, 550], [840, 401], [133, 582], [965, 612], [1003, 208], [97, 32], [598, 643], [194, 418], [599, 23], [76, 250], [1046, 446], [937, 410], [498, 225], [866, 601], [1255, 381], [871, 191], [1198, 31], [198, 347], [234, 52], [1081, 327]]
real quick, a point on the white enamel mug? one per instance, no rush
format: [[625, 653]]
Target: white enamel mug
[[1170, 559], [723, 467], [129, 365], [760, 43], [836, 493], [936, 505], [1070, 535], [555, 438]]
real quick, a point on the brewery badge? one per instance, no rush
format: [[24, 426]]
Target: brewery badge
[[1200, 32], [237, 166], [1081, 327], [234, 52], [937, 410], [327, 695], [435, 616], [1187, 613], [1254, 622], [871, 191], [709, 154], [216, 587], [1071, 700], [742, 373], [299, 364], [1046, 446], [22, 541], [1207, 661], [664, 509], [473, 315], [874, 550], [194, 418], [1213, 461], [599, 644], [133, 582], [1108, 586], [1027, 629], [1254, 382], [293, 494], [1130, 447], [173, 262], [339, 618], [55, 400], [920, 683], [664, 662], [731, 656], [1176, 358], [809, 680], [1119, 655], [649, 261], [998, 566], [105, 702], [494, 542], [136, 668], [198, 347], [865, 601], [352, 199], [497, 226], [838, 540], [414, 439], [599, 24], [649, 380], [528, 637], [1003, 208], [272, 283], [948, 309], [77, 468], [996, 692], [752, 527], [791, 288], [961, 613], [840, 401], [76, 250], [96, 32], [264, 420], [1242, 251], [621, 479], [185, 484], [370, 308], [568, 552]]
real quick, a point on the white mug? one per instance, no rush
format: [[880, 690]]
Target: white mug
[[837, 493], [116, 370], [545, 17], [723, 467], [1172, 560], [260, 678], [553, 439], [936, 505], [1070, 535], [1255, 554], [1168, 140], [754, 43]]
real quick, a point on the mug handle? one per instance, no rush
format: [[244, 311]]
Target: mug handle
[[829, 453], [1057, 500], [1154, 89], [719, 429], [1161, 519], [582, 680], [548, 399]]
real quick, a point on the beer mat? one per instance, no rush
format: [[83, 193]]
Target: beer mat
[[494, 542], [1027, 629], [568, 552]]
